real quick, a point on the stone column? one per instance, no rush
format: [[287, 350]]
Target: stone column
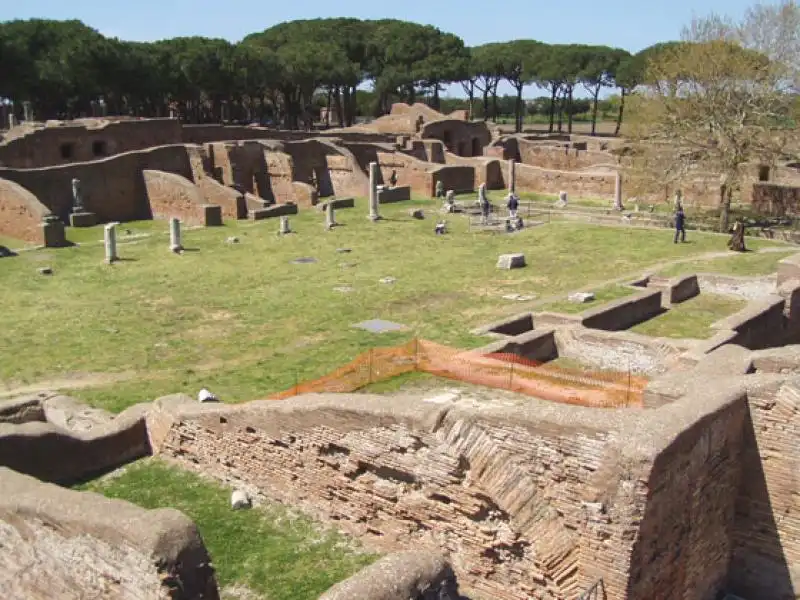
[[373, 192], [330, 220], [284, 226], [618, 191], [175, 235], [110, 239], [562, 198], [512, 175], [27, 108], [12, 120]]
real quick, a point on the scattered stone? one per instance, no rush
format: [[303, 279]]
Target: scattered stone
[[581, 297], [347, 265], [344, 289], [304, 260], [388, 280], [417, 213], [343, 250], [511, 261], [444, 398], [205, 396], [232, 240], [240, 500], [45, 271], [519, 297], [379, 326]]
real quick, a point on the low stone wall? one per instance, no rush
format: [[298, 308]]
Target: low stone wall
[[623, 313], [575, 183], [539, 345], [397, 194], [758, 325], [675, 290], [460, 179], [59, 543], [509, 326], [276, 210], [788, 268], [337, 203], [171, 195], [402, 576], [232, 203], [57, 455]]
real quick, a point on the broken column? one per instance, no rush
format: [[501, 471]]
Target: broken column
[[512, 175], [175, 235], [284, 226], [27, 109], [330, 221], [373, 192], [110, 239], [618, 191]]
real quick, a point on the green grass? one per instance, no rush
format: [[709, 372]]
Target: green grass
[[601, 296], [243, 321], [268, 549], [746, 264], [691, 319]]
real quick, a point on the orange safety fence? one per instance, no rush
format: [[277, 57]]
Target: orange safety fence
[[502, 371]]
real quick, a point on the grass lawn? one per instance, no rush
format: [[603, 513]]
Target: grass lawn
[[244, 321], [746, 264], [601, 296], [691, 319], [273, 552]]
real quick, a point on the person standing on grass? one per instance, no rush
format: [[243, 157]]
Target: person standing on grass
[[680, 224], [513, 205]]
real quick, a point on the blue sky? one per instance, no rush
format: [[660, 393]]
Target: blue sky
[[629, 24]]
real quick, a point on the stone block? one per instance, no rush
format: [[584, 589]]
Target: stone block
[[277, 210], [511, 261], [53, 234], [83, 219], [337, 204], [397, 194], [581, 297], [212, 215]]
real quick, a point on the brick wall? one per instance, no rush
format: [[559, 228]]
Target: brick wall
[[43, 147], [459, 137], [21, 213], [775, 200], [576, 184], [623, 313], [561, 156], [171, 195]]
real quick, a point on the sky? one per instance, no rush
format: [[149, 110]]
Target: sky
[[629, 24]]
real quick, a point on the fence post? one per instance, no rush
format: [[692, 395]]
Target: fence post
[[416, 353], [511, 377], [628, 396], [295, 384]]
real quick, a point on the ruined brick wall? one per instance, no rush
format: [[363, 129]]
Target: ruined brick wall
[[204, 134], [503, 499], [623, 313], [684, 542], [60, 543], [171, 195], [21, 213], [113, 187], [576, 184], [460, 178], [775, 199], [767, 544], [561, 156], [487, 170], [44, 147], [463, 138]]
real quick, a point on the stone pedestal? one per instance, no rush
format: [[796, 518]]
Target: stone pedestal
[[512, 175], [82, 219], [212, 215], [330, 216], [618, 192], [284, 227], [511, 261], [175, 235], [373, 192], [110, 240], [53, 234]]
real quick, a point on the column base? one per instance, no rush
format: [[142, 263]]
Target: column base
[[83, 219]]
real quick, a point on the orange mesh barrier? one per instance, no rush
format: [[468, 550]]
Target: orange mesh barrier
[[501, 371]]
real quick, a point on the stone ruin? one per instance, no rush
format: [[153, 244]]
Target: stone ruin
[[691, 495]]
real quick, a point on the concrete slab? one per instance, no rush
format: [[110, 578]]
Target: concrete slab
[[379, 326]]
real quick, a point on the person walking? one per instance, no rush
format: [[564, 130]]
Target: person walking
[[513, 205], [680, 224]]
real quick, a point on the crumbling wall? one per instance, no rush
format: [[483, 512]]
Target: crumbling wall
[[575, 183], [561, 156], [171, 195], [113, 188], [86, 140], [21, 213], [775, 199], [59, 543]]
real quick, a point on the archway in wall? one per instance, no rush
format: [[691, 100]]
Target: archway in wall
[[477, 149]]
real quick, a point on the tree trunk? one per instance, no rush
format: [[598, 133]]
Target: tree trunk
[[594, 109], [436, 100], [471, 96], [328, 108], [553, 107], [569, 112], [486, 103], [621, 110], [518, 111], [494, 102], [725, 197], [561, 103]]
